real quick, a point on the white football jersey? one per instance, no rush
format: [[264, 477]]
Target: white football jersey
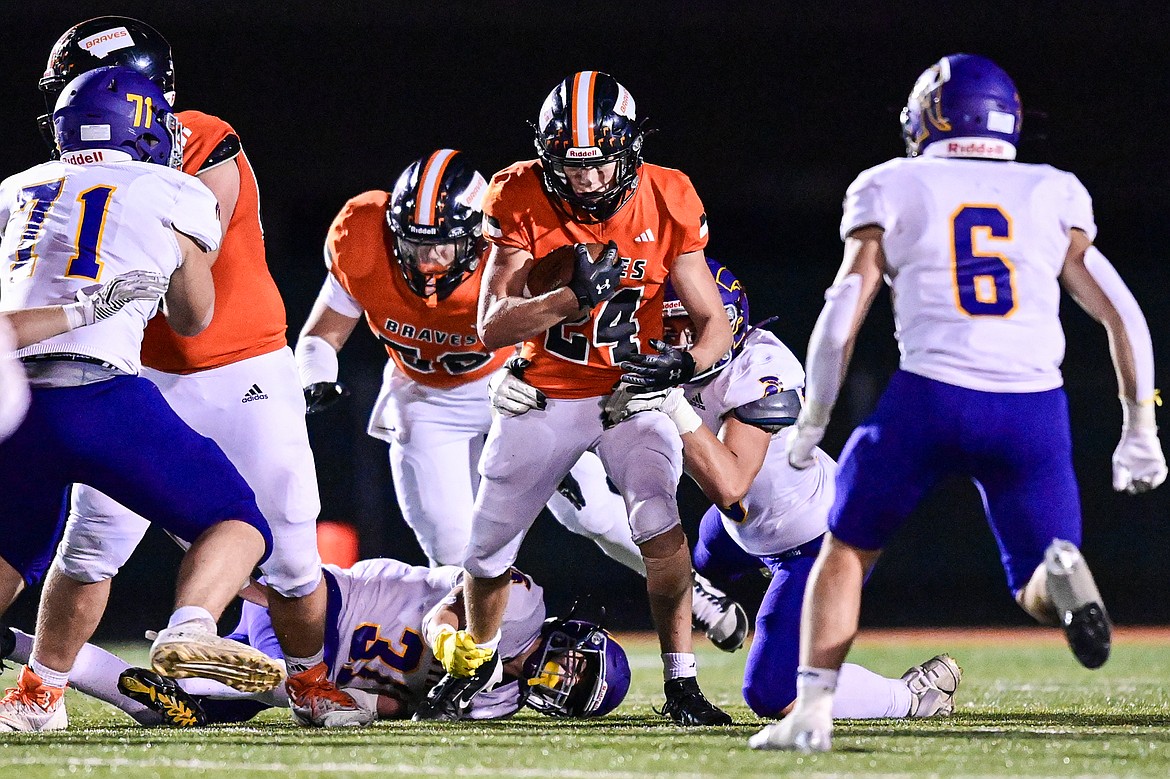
[[784, 507], [70, 227], [375, 623], [974, 250]]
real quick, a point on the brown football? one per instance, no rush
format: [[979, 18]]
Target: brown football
[[555, 269]]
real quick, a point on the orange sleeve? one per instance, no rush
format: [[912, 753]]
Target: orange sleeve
[[203, 133], [688, 212], [505, 209], [351, 243]]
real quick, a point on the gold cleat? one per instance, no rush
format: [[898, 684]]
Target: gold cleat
[[185, 651]]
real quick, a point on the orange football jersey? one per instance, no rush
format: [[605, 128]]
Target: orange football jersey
[[435, 345], [249, 313], [663, 219]]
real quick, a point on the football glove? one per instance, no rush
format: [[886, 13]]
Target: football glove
[[669, 368], [671, 402], [1138, 462], [809, 430], [458, 653], [593, 282], [322, 395], [571, 489], [110, 298], [512, 396]]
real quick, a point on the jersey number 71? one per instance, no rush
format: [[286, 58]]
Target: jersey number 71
[[38, 200]]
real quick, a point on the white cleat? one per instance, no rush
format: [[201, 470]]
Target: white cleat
[[191, 650], [798, 732], [932, 686], [721, 618], [32, 706], [317, 702]]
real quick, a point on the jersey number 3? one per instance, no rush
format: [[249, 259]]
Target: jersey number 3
[[38, 201], [985, 282]]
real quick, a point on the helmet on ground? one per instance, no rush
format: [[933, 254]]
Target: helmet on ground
[[117, 110], [735, 305], [577, 670], [963, 106], [436, 210], [589, 120]]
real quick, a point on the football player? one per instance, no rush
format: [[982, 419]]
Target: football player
[[235, 383], [116, 203], [388, 622], [734, 420], [976, 248], [589, 185], [410, 261]]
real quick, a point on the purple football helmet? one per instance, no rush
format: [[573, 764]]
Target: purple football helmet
[[117, 109], [735, 304], [967, 101], [578, 670]]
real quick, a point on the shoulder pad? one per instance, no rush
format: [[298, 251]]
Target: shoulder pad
[[772, 412], [227, 149]]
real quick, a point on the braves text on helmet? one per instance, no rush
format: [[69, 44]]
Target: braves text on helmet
[[967, 101], [438, 199], [589, 120], [735, 305], [116, 113], [577, 670]]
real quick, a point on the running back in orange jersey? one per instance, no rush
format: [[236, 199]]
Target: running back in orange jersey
[[663, 219], [435, 344], [249, 313]]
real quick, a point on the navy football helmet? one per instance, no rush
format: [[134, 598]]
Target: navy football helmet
[[120, 110], [967, 101], [735, 304], [438, 199], [577, 670], [588, 120], [102, 42]]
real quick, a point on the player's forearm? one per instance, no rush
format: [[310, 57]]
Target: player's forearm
[[36, 324], [718, 471], [1130, 344], [507, 321], [712, 341]]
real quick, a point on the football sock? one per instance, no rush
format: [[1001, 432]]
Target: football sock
[[679, 665], [814, 689], [297, 664], [206, 688], [863, 694], [48, 675], [195, 614]]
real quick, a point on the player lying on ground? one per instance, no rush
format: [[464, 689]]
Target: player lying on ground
[[410, 261], [734, 420], [388, 622]]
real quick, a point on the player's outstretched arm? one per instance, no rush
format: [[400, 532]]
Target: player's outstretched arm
[[505, 316], [322, 337], [1138, 462], [190, 301], [700, 297], [831, 345]]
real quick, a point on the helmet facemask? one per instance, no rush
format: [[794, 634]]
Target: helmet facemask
[[592, 206], [427, 282]]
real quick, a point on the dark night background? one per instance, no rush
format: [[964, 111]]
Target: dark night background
[[772, 109]]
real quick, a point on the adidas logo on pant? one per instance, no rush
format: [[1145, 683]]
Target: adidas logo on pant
[[254, 393]]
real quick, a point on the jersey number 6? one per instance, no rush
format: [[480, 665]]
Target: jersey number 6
[[985, 283]]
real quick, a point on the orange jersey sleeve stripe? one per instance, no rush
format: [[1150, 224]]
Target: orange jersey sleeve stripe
[[249, 315]]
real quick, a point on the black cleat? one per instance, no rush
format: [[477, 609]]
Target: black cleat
[[1088, 631], [451, 698], [686, 705], [163, 695]]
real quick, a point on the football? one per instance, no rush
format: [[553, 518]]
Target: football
[[555, 269]]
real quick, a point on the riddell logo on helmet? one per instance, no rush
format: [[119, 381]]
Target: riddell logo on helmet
[[84, 157], [977, 147], [424, 230], [105, 42], [583, 153]]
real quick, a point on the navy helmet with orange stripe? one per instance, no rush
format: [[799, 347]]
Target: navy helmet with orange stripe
[[589, 120], [435, 214]]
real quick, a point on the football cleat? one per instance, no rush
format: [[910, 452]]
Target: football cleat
[[722, 619], [32, 706], [801, 731], [686, 705], [1078, 604], [317, 702], [932, 686], [451, 698], [190, 650], [163, 696]]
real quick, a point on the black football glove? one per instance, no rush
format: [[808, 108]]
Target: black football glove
[[572, 491], [649, 372], [594, 282], [322, 395]]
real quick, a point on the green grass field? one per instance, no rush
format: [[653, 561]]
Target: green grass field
[[1025, 709]]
